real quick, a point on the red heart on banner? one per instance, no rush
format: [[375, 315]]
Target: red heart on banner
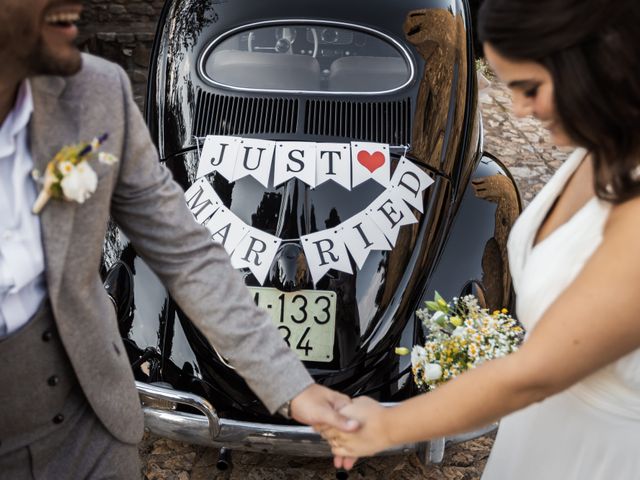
[[371, 161]]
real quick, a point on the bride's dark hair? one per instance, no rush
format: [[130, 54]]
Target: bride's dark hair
[[592, 50]]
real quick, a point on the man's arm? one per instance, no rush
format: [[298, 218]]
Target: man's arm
[[150, 208]]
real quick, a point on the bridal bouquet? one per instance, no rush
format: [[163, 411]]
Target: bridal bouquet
[[462, 335]]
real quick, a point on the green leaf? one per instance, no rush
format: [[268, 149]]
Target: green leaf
[[442, 322], [432, 306]]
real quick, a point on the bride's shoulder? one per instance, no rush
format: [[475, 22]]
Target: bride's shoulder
[[623, 219]]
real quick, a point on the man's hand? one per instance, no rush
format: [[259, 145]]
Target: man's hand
[[371, 438], [317, 405]]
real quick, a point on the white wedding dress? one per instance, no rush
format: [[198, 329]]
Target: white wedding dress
[[592, 430]]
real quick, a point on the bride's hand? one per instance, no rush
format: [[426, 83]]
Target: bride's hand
[[371, 438]]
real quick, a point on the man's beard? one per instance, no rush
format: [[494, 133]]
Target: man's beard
[[44, 62]]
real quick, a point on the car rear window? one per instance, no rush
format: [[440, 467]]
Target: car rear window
[[307, 58]]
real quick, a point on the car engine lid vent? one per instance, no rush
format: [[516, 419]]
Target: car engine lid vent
[[382, 122], [231, 115]]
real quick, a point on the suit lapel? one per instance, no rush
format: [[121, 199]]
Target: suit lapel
[[54, 123]]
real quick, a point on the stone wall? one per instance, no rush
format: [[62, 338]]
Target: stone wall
[[122, 31]]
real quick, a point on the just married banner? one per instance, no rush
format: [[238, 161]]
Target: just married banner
[[348, 165], [374, 228]]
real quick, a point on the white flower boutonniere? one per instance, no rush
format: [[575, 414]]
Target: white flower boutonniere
[[70, 176], [79, 181]]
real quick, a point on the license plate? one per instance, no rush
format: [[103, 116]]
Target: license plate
[[306, 319]]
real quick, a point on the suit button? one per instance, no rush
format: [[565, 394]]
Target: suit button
[[47, 335], [53, 380], [59, 418]]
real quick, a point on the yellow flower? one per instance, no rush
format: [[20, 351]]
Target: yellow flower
[[456, 321], [402, 351], [496, 312], [504, 310]]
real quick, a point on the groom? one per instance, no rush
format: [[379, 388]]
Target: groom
[[68, 405]]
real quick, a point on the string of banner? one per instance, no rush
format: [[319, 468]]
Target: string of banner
[[348, 164]]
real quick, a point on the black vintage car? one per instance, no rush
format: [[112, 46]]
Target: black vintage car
[[399, 75]]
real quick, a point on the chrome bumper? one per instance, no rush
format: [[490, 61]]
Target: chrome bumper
[[210, 430]]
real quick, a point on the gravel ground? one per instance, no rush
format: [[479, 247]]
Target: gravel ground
[[523, 146]]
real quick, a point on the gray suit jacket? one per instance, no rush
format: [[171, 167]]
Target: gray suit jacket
[[149, 207]]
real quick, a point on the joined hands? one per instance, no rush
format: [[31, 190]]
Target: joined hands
[[318, 405], [371, 437]]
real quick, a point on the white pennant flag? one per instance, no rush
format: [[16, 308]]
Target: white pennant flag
[[295, 160], [256, 252], [389, 212], [334, 163], [226, 228], [202, 200], [361, 236], [325, 250], [410, 181], [370, 161], [254, 158], [219, 155]]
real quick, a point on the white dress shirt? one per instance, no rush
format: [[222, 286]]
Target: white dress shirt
[[22, 280]]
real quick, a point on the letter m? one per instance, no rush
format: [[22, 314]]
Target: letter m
[[200, 207]]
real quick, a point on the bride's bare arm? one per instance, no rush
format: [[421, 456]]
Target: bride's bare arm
[[594, 322]]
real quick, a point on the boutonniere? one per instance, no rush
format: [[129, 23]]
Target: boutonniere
[[69, 176]]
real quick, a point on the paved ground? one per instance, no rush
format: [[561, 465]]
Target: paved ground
[[523, 147]]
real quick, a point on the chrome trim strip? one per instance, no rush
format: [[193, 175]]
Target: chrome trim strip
[[407, 56], [259, 437], [113, 302]]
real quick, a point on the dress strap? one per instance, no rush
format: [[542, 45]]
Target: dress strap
[[525, 228]]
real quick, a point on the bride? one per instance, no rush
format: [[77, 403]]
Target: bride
[[570, 397]]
